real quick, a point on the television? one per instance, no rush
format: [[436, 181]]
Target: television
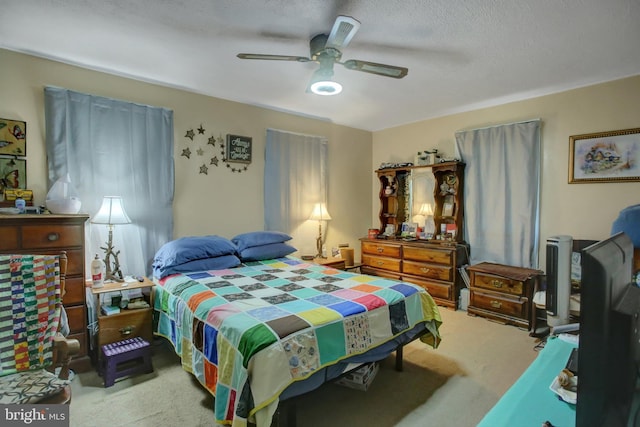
[[609, 339]]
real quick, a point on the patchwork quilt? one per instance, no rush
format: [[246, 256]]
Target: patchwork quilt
[[248, 332], [29, 311]]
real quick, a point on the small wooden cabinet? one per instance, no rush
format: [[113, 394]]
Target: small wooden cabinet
[[503, 293], [129, 323], [49, 235], [430, 264]]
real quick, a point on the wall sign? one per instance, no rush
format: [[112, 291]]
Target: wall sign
[[238, 149]]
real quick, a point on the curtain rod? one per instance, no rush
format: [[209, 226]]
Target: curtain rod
[[502, 124]]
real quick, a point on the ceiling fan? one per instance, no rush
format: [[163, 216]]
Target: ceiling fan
[[325, 50]]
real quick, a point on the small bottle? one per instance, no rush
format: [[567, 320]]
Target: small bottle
[[97, 272]]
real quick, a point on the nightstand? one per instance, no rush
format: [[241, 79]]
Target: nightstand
[[129, 322], [330, 262]]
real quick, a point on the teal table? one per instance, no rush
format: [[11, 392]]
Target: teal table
[[530, 401]]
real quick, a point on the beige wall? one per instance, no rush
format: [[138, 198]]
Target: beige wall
[[221, 202], [584, 211]]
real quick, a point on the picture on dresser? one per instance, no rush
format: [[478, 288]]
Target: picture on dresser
[[13, 137], [13, 174]]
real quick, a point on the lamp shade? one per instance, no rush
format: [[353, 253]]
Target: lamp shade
[[111, 212], [426, 209], [320, 213]]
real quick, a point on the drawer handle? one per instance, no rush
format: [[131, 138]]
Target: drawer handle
[[380, 263], [425, 269], [497, 283], [496, 304], [52, 237], [380, 250], [127, 330]]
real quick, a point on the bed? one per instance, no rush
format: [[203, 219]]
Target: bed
[[255, 332]]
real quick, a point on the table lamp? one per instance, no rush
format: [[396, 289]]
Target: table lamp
[[319, 214], [111, 212], [426, 210]]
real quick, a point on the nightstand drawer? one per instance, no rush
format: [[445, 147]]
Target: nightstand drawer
[[430, 255], [431, 271], [516, 307], [392, 264], [51, 236], [126, 324], [498, 284], [381, 249]]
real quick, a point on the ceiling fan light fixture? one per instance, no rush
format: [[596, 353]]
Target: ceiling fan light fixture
[[326, 87]]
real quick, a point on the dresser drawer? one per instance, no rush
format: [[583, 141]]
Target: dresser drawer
[[431, 271], [52, 236], [380, 273], [126, 324], [436, 290], [76, 316], [430, 255], [499, 303], [9, 239], [497, 284], [392, 264], [74, 291], [381, 249]]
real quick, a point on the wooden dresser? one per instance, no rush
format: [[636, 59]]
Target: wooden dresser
[[434, 266], [503, 293], [51, 234]]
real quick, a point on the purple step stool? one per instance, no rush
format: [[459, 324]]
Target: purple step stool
[[130, 350]]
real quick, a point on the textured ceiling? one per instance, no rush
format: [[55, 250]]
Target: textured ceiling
[[461, 54]]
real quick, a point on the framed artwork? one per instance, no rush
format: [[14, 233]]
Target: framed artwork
[[13, 137], [13, 174], [238, 148], [605, 157], [448, 206], [409, 229]]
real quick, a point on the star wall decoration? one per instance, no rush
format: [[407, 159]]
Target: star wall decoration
[[212, 141], [186, 153], [190, 134], [199, 151], [204, 169], [201, 130], [214, 160]]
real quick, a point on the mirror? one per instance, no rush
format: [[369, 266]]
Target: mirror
[[422, 202]]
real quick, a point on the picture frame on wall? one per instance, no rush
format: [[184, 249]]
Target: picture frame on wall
[[612, 156], [13, 174], [13, 137], [238, 148]]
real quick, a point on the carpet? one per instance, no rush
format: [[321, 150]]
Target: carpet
[[454, 385]]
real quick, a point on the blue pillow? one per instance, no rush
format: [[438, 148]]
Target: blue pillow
[[187, 249], [215, 263], [259, 238], [270, 251]]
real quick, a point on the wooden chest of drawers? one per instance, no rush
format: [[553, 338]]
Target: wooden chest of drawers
[[503, 293], [430, 265], [51, 234]]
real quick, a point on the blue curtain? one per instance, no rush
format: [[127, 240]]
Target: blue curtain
[[502, 192], [295, 178], [115, 148]]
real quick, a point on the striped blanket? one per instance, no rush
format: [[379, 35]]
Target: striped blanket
[[30, 305]]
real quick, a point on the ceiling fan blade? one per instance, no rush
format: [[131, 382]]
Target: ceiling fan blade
[[375, 68], [342, 32], [273, 57]]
